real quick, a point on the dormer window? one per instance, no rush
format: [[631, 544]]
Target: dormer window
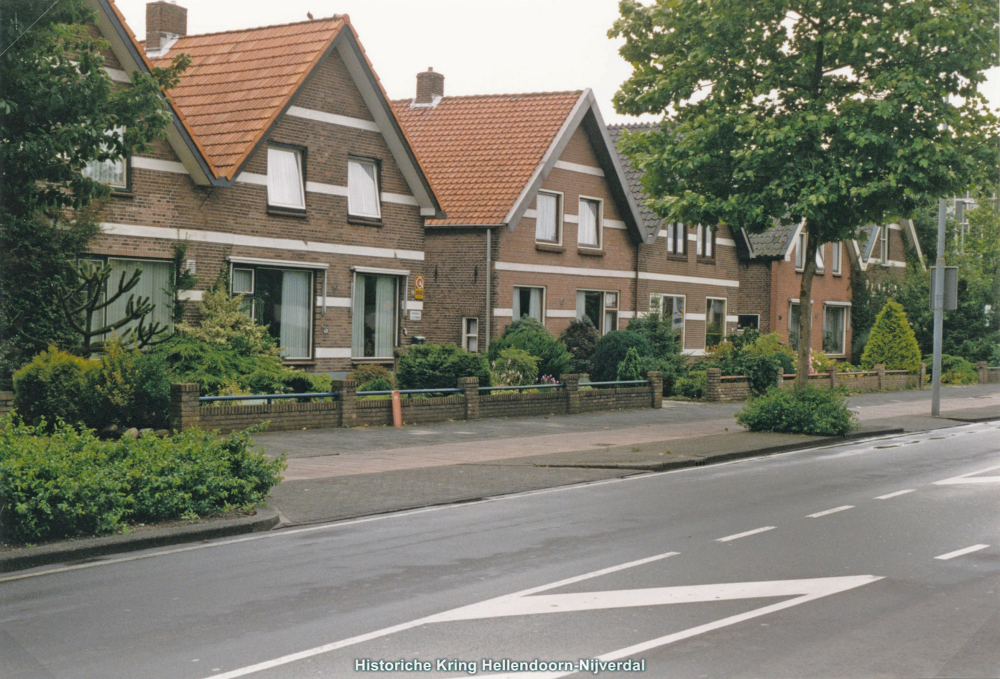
[[285, 178], [362, 189]]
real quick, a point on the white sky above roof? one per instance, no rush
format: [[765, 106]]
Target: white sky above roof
[[481, 46]]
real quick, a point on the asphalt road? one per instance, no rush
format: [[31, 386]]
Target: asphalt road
[[809, 564]]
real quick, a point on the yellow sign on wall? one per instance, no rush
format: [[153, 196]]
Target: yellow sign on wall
[[418, 287]]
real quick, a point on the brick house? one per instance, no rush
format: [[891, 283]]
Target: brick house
[[770, 276], [689, 273], [540, 221], [287, 169]]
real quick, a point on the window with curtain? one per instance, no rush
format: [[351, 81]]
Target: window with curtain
[[529, 302], [836, 256], [834, 329], [281, 300], [600, 306], [588, 235], [676, 239], [362, 189], [547, 218], [793, 325], [114, 173], [671, 307], [374, 319], [820, 264], [285, 183], [242, 284], [154, 283], [715, 321], [800, 252], [705, 246]]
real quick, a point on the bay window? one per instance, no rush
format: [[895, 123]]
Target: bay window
[[529, 302], [362, 189], [285, 178], [281, 299], [376, 315], [800, 252], [547, 218]]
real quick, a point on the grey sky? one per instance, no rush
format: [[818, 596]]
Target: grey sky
[[481, 46]]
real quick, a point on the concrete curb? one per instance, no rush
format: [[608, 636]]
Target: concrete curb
[[77, 550], [726, 457]]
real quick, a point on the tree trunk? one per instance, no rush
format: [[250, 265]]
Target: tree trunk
[[803, 365]]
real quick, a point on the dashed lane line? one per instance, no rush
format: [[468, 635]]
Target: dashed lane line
[[961, 552], [830, 511], [743, 535], [896, 494]]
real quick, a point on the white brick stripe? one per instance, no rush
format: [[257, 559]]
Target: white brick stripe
[[158, 165], [576, 167], [332, 118], [326, 352]]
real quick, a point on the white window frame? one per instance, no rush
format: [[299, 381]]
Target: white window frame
[[820, 263], [883, 249], [111, 283], [558, 195], [845, 306], [252, 311], [250, 304], [299, 154], [600, 223], [677, 239], [541, 303], [656, 303], [124, 161], [705, 246], [378, 195], [838, 259], [467, 335], [402, 289], [800, 252], [602, 326], [725, 310]]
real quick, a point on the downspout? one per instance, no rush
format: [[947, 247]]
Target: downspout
[[635, 307], [489, 278]]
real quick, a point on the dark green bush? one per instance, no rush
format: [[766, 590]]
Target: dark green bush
[[433, 366], [533, 337], [691, 385], [131, 389], [818, 412], [365, 373], [670, 370], [378, 384], [631, 366], [580, 338], [761, 372], [611, 350], [55, 385], [71, 483], [955, 370], [659, 332]]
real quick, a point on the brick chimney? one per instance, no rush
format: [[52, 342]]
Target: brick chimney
[[165, 22], [430, 86]]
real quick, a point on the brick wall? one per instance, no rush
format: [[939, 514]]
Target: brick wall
[[593, 400], [735, 387], [455, 285], [754, 296], [518, 405], [415, 410], [282, 416]]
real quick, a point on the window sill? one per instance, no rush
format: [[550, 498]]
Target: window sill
[[119, 193], [549, 247], [706, 260], [295, 362], [286, 212], [363, 221], [677, 258], [359, 361], [590, 252]]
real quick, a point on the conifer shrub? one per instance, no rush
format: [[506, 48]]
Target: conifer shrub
[[55, 385], [631, 366], [817, 412], [580, 339], [891, 341], [611, 350], [438, 366], [130, 389], [533, 337]]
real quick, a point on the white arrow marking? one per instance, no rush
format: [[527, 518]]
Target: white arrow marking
[[964, 478]]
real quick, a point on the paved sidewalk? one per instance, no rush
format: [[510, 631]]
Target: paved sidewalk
[[342, 473]]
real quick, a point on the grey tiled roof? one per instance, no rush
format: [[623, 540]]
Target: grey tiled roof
[[773, 242], [634, 177]]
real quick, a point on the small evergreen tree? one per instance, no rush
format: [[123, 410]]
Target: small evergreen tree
[[580, 339], [891, 342], [631, 366], [224, 322]]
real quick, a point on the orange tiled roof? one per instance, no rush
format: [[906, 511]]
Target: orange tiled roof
[[239, 81], [480, 151]]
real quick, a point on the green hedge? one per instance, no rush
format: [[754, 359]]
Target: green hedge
[[819, 412], [438, 366], [531, 336], [611, 350], [71, 483]]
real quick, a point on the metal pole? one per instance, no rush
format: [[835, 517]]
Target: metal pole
[[938, 306]]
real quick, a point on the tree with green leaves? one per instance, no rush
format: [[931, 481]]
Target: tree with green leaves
[[832, 114], [59, 111]]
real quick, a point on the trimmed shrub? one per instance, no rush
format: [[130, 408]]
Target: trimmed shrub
[[378, 384], [515, 368], [891, 341], [70, 482], [55, 385], [818, 412], [580, 339], [761, 372], [433, 366], [631, 366], [533, 337], [670, 370], [611, 350], [691, 385], [363, 374]]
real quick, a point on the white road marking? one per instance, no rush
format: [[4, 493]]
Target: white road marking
[[896, 494], [808, 589], [743, 535], [971, 478], [326, 648], [830, 511], [961, 552]]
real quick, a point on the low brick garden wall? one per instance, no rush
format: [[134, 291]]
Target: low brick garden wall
[[719, 387], [186, 410]]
